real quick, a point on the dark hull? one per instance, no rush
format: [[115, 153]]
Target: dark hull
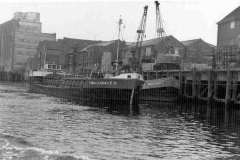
[[165, 90], [104, 91], [165, 94]]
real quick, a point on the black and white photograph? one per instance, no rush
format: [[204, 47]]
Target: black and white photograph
[[119, 80]]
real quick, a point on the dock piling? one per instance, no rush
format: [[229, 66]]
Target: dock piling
[[194, 91], [209, 95], [131, 102], [234, 93], [180, 81], [228, 83], [215, 85]]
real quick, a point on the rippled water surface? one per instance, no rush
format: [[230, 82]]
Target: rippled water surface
[[39, 127]]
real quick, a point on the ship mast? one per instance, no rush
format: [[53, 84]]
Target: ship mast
[[119, 30]]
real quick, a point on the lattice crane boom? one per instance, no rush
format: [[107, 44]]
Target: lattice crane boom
[[161, 34], [140, 36], [159, 23]]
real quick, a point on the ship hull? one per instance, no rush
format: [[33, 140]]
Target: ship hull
[[121, 91], [164, 89]]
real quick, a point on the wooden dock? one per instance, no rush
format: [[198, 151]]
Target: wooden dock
[[207, 85]]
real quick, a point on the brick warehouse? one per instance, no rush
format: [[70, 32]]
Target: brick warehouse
[[198, 51], [228, 39], [229, 29], [51, 54], [19, 39], [154, 47], [102, 55]]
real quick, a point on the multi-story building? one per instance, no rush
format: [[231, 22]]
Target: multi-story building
[[19, 39], [229, 29], [228, 39], [101, 55], [198, 51], [55, 55], [73, 46], [49, 56], [154, 48]]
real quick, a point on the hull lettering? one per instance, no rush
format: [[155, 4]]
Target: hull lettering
[[103, 82]]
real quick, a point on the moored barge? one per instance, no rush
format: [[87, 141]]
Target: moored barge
[[122, 89]]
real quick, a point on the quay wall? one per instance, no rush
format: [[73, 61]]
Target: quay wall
[[208, 85], [11, 76]]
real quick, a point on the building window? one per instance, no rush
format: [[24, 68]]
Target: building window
[[230, 41], [232, 24], [49, 66], [59, 67], [54, 66], [148, 51], [176, 51], [143, 51], [79, 64], [238, 22]]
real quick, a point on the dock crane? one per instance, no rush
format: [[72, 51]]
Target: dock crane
[[160, 31], [140, 36], [159, 25]]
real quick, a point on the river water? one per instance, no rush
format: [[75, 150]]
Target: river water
[[39, 127]]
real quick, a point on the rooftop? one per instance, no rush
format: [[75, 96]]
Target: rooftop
[[149, 42], [235, 14], [79, 43], [103, 44], [189, 42]]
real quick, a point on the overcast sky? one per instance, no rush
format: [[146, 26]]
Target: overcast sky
[[185, 20]]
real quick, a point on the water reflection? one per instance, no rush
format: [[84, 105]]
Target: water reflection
[[111, 108], [206, 130], [35, 126]]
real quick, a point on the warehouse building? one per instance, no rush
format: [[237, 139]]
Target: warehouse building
[[229, 29], [198, 51], [102, 55], [19, 39]]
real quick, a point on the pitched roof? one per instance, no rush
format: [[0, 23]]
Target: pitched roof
[[189, 42], [149, 42], [235, 14], [79, 43], [103, 44], [129, 43], [211, 45]]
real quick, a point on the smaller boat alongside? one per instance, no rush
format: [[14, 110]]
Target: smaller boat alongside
[[163, 88]]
